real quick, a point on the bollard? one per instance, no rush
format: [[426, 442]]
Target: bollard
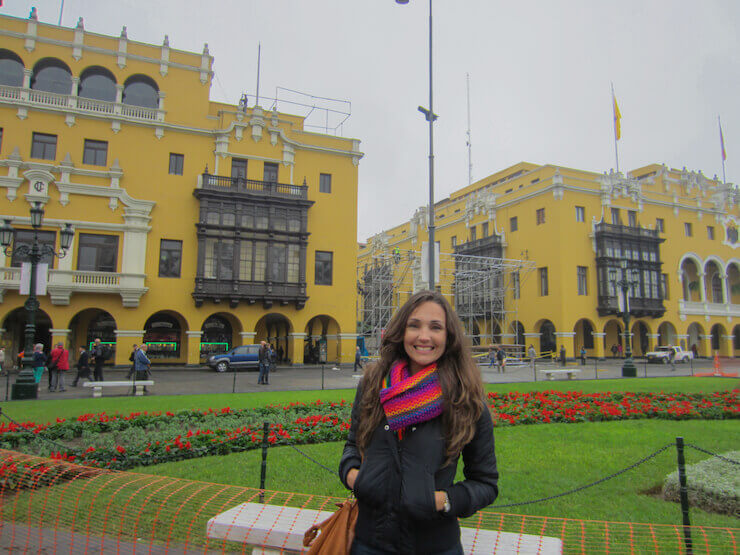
[[233, 386], [263, 471], [534, 368], [691, 360], [322, 377], [684, 494], [596, 369], [7, 383], [646, 368]]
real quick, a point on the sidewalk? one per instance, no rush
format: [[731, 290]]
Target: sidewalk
[[188, 381]]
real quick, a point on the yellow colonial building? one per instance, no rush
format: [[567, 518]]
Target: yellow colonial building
[[547, 246], [198, 225]]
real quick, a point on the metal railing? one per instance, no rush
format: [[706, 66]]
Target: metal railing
[[240, 184]]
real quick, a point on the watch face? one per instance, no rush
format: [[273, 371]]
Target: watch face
[[39, 186]]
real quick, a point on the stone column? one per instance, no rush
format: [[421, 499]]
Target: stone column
[[568, 339], [193, 347], [296, 341], [705, 345], [75, 92], [125, 340], [119, 99], [347, 344], [247, 337], [60, 335], [702, 287], [652, 341], [727, 342], [598, 344], [725, 296]]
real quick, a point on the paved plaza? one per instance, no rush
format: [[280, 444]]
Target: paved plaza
[[188, 381]]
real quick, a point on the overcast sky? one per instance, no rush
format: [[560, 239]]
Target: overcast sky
[[540, 74]]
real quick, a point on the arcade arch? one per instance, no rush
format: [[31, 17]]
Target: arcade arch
[[276, 329]]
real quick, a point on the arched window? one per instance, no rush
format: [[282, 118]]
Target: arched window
[[11, 69], [140, 90], [97, 83], [52, 75]]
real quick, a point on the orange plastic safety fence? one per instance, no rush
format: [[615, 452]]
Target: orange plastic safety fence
[[56, 506]]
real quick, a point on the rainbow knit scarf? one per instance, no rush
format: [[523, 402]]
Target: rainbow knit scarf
[[409, 400]]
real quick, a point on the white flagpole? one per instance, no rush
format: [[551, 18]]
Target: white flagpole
[[614, 122]]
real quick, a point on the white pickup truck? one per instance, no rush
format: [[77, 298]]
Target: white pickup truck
[[663, 354]]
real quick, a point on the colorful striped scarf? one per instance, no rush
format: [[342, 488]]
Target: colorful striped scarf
[[409, 400]]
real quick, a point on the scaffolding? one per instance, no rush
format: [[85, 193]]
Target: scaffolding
[[483, 290]]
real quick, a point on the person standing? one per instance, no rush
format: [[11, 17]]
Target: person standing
[[2, 359], [83, 366], [583, 355], [358, 359], [619, 350], [263, 378], [562, 355], [532, 354], [39, 360], [492, 352], [98, 356], [60, 356], [416, 411], [501, 360], [132, 359], [142, 365], [614, 350], [273, 358]]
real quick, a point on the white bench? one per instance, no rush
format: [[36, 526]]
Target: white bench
[[272, 529], [98, 386], [570, 371]]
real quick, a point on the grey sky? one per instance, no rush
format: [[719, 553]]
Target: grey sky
[[540, 75]]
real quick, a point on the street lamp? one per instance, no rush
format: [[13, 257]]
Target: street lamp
[[629, 370], [25, 385], [430, 117]]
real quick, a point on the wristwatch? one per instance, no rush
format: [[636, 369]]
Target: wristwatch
[[446, 507]]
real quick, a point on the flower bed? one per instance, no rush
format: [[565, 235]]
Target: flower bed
[[144, 438]]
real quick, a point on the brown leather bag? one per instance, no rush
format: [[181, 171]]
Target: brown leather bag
[[337, 531]]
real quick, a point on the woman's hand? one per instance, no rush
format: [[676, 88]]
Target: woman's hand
[[352, 476], [439, 500]]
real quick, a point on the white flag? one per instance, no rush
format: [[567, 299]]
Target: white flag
[[42, 278]]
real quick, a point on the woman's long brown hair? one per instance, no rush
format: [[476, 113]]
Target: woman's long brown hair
[[462, 386]]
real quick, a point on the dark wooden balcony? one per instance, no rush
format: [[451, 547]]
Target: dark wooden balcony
[[626, 231], [263, 188], [235, 291], [639, 307]]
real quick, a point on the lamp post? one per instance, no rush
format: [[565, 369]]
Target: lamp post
[[430, 117], [25, 385], [629, 370]]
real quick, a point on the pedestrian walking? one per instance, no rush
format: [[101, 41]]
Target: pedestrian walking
[[358, 359], [614, 350], [60, 357], [2, 359], [492, 356], [142, 366], [98, 358], [132, 359], [672, 358], [583, 355], [562, 355], [39, 361], [273, 358], [83, 366], [619, 350], [264, 377]]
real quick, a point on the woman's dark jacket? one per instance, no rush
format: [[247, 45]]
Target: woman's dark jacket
[[39, 359], [397, 479]]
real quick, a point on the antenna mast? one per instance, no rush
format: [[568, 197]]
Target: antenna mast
[[469, 141]]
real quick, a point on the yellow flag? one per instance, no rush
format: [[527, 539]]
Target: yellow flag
[[617, 118]]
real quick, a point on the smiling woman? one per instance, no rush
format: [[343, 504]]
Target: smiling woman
[[415, 412]]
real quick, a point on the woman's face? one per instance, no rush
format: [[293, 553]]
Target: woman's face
[[426, 335]]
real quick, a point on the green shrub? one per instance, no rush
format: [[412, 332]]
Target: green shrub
[[713, 485]]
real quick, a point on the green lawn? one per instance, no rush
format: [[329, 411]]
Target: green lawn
[[535, 461]]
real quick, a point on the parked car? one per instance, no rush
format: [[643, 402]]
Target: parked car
[[244, 356], [663, 354]]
